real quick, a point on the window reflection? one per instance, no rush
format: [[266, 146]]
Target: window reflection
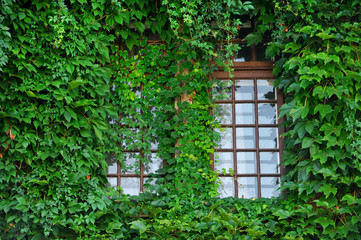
[[227, 190], [268, 137], [245, 113], [245, 138], [226, 140], [154, 164], [246, 162], [269, 162], [269, 187], [224, 113], [265, 90], [224, 160], [223, 91], [244, 90], [267, 113], [112, 161], [247, 187], [130, 185]]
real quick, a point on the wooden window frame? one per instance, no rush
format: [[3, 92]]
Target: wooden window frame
[[251, 70]]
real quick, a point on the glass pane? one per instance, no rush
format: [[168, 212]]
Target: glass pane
[[111, 159], [112, 181], [246, 162], [227, 188], [224, 113], [223, 91], [269, 162], [243, 32], [153, 165], [247, 187], [268, 137], [154, 144], [226, 140], [131, 163], [245, 113], [244, 90], [265, 90], [267, 113], [269, 186], [261, 52], [244, 54], [245, 138], [130, 185], [225, 160]]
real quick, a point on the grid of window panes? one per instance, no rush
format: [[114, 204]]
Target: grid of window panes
[[248, 154], [131, 181], [131, 174]]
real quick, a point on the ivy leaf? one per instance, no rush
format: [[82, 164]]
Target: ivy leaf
[[327, 189], [75, 83], [325, 36], [325, 222], [283, 214], [307, 142], [140, 225], [67, 116], [31, 94], [98, 132], [253, 38], [118, 18]]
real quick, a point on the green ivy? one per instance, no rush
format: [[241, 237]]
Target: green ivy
[[79, 83]]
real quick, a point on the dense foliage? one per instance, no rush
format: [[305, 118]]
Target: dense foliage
[[71, 75]]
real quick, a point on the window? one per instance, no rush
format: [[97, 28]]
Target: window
[[133, 174], [249, 151]]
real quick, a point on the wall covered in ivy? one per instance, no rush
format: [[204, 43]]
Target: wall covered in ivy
[[70, 72]]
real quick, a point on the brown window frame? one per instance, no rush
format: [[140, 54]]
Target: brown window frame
[[251, 70]]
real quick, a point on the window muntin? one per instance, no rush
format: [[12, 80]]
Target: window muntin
[[132, 174], [248, 154]]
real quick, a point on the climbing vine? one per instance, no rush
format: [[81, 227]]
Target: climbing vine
[[80, 83]]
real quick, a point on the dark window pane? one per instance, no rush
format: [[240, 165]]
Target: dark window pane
[[244, 54]]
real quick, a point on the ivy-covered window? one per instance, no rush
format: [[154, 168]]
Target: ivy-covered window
[[130, 173], [248, 154]]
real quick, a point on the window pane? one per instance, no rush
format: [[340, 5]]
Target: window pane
[[131, 163], [268, 137], [261, 52], [223, 91], [227, 190], [245, 138], [112, 181], [130, 185], [112, 160], [265, 90], [247, 187], [267, 113], [153, 165], [244, 54], [269, 162], [269, 186], [245, 113], [224, 113], [246, 162], [243, 32], [225, 160], [244, 90], [226, 140]]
